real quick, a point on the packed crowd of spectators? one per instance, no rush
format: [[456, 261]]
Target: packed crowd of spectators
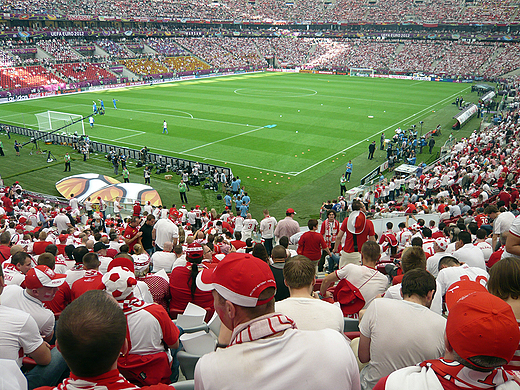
[[463, 58], [506, 60], [60, 49], [482, 11], [166, 47], [417, 55], [115, 49], [287, 50], [211, 51]]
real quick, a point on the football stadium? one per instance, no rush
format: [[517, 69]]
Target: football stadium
[[320, 165]]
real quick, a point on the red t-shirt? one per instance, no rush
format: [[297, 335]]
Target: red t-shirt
[[180, 283], [495, 257], [39, 247], [90, 281], [130, 232], [6, 253], [310, 245], [481, 219], [410, 209], [361, 238]]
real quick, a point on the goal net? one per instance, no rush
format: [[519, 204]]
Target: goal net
[[362, 72], [53, 120]]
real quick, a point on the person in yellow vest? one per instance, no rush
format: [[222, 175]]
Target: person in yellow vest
[[67, 162]]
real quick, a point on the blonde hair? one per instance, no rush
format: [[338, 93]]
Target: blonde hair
[[138, 249]]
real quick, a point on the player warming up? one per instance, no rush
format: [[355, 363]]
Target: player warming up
[[165, 127]]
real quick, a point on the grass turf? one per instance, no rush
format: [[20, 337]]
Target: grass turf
[[322, 121]]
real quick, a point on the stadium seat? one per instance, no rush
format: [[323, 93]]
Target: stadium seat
[[185, 385], [187, 363]]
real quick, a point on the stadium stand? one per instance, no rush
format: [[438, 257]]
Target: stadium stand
[[27, 76], [83, 71], [60, 49], [144, 66], [185, 63]]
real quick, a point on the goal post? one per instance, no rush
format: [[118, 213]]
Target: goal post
[[362, 72], [53, 120]]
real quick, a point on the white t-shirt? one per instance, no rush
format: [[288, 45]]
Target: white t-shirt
[[486, 249], [104, 262], [252, 364], [249, 225], [73, 203], [471, 255], [163, 260], [17, 298], [145, 333], [359, 275], [514, 229], [503, 222], [267, 226], [432, 263], [61, 221], [11, 274], [18, 330], [450, 275], [165, 230], [395, 344], [312, 314]]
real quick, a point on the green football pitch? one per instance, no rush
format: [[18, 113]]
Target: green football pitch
[[288, 136]]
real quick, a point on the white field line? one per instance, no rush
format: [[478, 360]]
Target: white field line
[[122, 128], [389, 127], [128, 136]]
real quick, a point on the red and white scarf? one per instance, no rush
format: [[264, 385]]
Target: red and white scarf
[[261, 327], [464, 377], [111, 380]]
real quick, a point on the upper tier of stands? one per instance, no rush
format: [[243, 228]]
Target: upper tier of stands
[[299, 11]]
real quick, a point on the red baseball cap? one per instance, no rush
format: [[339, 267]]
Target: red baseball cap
[[290, 211], [43, 276], [194, 251], [349, 297], [239, 278], [480, 324], [20, 227]]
